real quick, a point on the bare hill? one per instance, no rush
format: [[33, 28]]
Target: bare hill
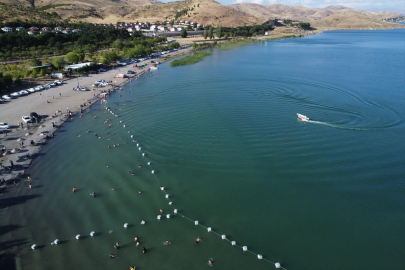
[[303, 13], [347, 20]]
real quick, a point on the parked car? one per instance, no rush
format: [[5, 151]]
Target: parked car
[[15, 94], [6, 97], [46, 86], [24, 92], [58, 82], [103, 70], [31, 90], [4, 125], [84, 75], [38, 88], [53, 84], [26, 119], [130, 72], [2, 100], [94, 72]]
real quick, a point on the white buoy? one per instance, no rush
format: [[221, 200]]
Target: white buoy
[[175, 211], [126, 225], [123, 125], [92, 233], [132, 136], [33, 246], [153, 171], [209, 229], [233, 243], [196, 222], [223, 236], [162, 188], [142, 222], [170, 203], [158, 217], [168, 216], [56, 241], [244, 248], [143, 154], [167, 196], [259, 256], [137, 144], [140, 148], [277, 265], [78, 236]]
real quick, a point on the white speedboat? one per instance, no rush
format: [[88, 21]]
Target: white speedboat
[[302, 117]]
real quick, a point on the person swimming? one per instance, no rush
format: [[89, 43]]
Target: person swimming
[[93, 194], [112, 256], [144, 250], [167, 242], [74, 189], [117, 245], [197, 241], [211, 261]]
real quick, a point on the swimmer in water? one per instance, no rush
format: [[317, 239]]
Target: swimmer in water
[[161, 210], [167, 243], [112, 256], [133, 173], [137, 243], [117, 245], [140, 166], [93, 194], [144, 250], [136, 239], [197, 241], [112, 189], [211, 261], [140, 192], [74, 189], [95, 135]]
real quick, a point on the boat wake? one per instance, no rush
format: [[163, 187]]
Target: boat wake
[[335, 126]]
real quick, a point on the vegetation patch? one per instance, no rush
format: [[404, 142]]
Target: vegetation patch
[[53, 6], [233, 44], [191, 59]]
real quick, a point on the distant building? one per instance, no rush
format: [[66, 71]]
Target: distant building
[[58, 29], [46, 29]]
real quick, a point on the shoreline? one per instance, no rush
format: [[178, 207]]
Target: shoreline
[[23, 155]]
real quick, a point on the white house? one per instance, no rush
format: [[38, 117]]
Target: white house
[[7, 29]]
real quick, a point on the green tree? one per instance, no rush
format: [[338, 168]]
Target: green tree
[[219, 32], [58, 62], [210, 33], [34, 73], [42, 72], [36, 62], [109, 57], [72, 57], [205, 34], [183, 33]]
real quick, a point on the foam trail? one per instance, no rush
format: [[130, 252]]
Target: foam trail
[[333, 125]]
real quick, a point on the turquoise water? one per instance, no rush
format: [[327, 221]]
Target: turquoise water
[[224, 139]]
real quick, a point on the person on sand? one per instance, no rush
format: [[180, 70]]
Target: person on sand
[[197, 241], [74, 189]]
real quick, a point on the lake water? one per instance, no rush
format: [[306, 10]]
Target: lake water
[[223, 138]]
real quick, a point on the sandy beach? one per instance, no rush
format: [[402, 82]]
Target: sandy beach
[[52, 105]]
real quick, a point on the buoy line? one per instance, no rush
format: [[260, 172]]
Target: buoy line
[[159, 217]]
